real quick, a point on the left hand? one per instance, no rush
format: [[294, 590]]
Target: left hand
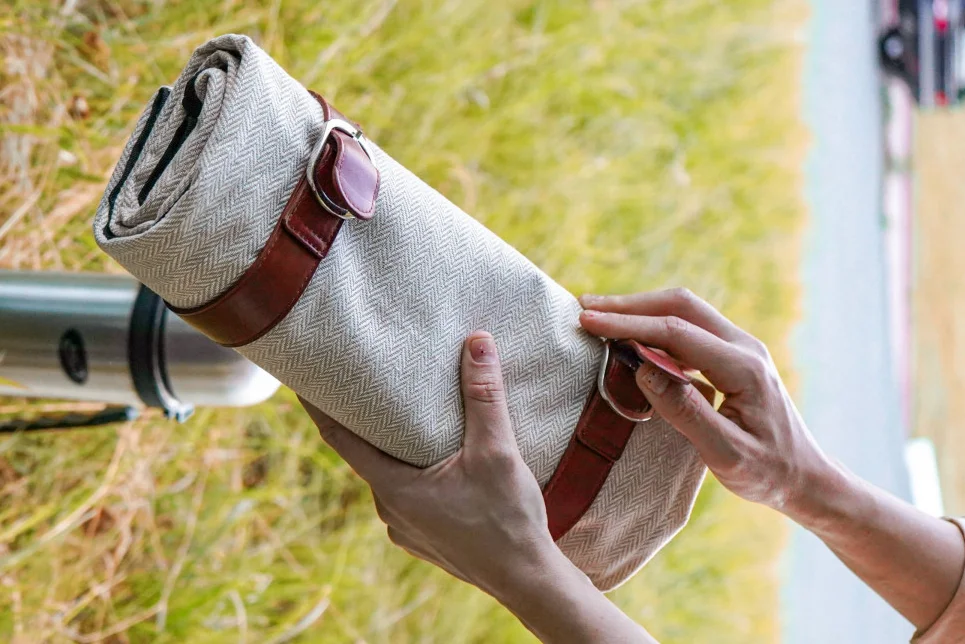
[[478, 514]]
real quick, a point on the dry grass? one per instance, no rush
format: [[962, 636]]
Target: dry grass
[[620, 145], [939, 296]]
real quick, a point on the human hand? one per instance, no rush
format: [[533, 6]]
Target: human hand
[[478, 514], [756, 443]]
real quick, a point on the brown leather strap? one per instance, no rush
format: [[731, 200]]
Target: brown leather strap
[[271, 286], [601, 436]]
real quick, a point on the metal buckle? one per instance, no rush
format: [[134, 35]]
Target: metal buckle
[[323, 199], [632, 416]]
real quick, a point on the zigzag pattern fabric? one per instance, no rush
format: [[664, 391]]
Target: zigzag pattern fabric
[[375, 339]]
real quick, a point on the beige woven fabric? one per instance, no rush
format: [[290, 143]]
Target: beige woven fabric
[[375, 339]]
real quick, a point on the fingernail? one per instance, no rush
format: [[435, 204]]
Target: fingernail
[[483, 350], [592, 314], [652, 379], [590, 300]]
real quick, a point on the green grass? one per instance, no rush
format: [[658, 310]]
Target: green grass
[[620, 145]]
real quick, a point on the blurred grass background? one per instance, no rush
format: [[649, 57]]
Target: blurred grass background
[[621, 145]]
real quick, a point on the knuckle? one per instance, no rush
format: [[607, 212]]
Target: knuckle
[[763, 374], [675, 327], [758, 368], [686, 406], [682, 295], [485, 388], [503, 459], [757, 347], [492, 458]]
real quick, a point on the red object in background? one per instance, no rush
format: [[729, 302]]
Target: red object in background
[[940, 15]]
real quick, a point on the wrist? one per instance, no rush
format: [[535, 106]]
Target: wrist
[[553, 599], [558, 603], [827, 493], [529, 578]]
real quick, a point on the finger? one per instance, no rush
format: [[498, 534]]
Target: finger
[[484, 396], [724, 364], [685, 406], [706, 390], [677, 301], [376, 467]]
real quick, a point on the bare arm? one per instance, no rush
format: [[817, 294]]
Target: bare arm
[[914, 561], [758, 446], [479, 515], [558, 603]]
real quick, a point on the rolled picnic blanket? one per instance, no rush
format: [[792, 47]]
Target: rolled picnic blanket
[[266, 219]]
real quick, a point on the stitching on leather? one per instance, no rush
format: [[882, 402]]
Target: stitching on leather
[[225, 302], [295, 222], [321, 244], [288, 220], [324, 241], [569, 453], [299, 229], [598, 442], [329, 112], [227, 295]]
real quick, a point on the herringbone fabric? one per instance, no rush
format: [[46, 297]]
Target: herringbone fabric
[[375, 339]]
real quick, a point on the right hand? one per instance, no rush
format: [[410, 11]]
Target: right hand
[[756, 443]]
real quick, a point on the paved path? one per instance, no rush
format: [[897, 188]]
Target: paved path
[[848, 393]]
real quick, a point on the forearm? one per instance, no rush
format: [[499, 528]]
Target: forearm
[[557, 602], [912, 560]]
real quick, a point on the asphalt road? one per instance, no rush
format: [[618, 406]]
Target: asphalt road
[[849, 394]]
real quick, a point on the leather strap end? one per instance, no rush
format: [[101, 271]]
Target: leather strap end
[[344, 171]]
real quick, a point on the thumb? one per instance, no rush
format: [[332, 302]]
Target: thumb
[[688, 408], [483, 394]]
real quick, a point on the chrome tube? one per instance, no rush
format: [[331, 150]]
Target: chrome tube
[[84, 336]]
